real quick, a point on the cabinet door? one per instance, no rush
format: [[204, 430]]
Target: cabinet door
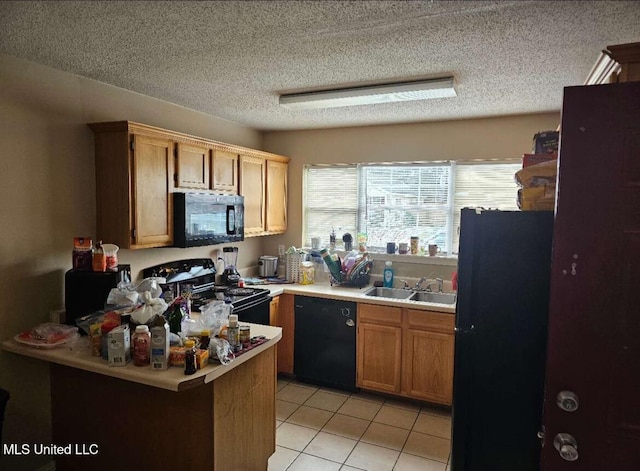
[[378, 358], [276, 196], [252, 187], [192, 166], [282, 315], [225, 172], [428, 365], [152, 184]]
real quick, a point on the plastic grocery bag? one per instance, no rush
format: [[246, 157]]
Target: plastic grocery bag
[[127, 294], [212, 317], [149, 309]]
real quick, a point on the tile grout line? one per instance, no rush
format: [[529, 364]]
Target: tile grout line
[[346, 397]]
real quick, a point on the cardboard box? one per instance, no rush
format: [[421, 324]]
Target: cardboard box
[[119, 345], [537, 198], [176, 357], [546, 142], [534, 159], [160, 346]]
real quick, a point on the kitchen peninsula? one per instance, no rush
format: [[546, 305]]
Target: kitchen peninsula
[[221, 418]]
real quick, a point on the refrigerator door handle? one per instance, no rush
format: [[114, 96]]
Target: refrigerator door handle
[[461, 331]]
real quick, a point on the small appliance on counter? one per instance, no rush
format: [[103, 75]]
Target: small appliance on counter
[[267, 266], [230, 275], [87, 291]]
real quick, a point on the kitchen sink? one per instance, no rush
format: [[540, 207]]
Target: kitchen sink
[[394, 293], [430, 297]]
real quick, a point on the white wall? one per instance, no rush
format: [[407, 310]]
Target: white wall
[[47, 189]]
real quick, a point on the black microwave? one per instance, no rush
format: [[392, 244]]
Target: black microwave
[[204, 219]]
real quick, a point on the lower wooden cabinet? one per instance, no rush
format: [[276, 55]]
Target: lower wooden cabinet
[[406, 352], [282, 315], [379, 342]]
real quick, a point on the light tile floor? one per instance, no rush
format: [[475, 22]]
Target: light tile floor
[[325, 429]]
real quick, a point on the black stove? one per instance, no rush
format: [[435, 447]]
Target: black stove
[[197, 276], [241, 298]]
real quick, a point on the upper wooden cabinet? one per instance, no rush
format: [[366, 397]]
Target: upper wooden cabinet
[[252, 187], [263, 183], [138, 167], [276, 196], [134, 180], [225, 172], [192, 166]]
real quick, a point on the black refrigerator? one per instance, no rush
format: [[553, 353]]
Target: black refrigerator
[[504, 266]]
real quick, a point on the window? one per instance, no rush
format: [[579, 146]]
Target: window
[[393, 202]]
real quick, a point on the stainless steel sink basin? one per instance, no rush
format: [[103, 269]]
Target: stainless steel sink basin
[[430, 297], [394, 293]]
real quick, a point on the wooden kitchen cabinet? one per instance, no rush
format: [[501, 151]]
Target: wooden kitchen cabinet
[[427, 356], [224, 174], [379, 341], [252, 187], [276, 217], [138, 167], [407, 352], [281, 314], [134, 180], [192, 166]]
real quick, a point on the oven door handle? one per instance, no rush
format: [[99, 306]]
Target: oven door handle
[[257, 302]]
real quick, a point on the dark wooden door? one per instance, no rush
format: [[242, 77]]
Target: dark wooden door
[[594, 316]]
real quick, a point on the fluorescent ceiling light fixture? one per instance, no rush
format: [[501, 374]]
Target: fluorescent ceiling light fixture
[[371, 95]]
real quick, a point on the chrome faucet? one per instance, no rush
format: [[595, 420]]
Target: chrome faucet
[[422, 280], [440, 285]]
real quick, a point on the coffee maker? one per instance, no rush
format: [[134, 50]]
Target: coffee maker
[[230, 275]]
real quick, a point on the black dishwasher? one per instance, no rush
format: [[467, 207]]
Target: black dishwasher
[[325, 342]]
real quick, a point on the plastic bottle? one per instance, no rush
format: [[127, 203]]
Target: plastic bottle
[[190, 366], [334, 269], [387, 275], [233, 333], [205, 338], [142, 346], [99, 261]]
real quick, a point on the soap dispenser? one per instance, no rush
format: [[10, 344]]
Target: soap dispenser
[[387, 275]]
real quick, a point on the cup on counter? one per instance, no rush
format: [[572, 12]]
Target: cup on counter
[[315, 243], [403, 248], [391, 247], [433, 249], [415, 245]]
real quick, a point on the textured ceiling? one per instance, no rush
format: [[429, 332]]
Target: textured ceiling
[[233, 59]]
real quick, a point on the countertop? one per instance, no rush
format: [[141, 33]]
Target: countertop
[[77, 354], [325, 290]]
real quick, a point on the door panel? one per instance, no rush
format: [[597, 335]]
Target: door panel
[[594, 326]]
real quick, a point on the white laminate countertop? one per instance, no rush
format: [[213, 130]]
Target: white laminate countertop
[[325, 290], [77, 354]]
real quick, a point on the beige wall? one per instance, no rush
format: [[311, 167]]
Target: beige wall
[[47, 189], [507, 137]]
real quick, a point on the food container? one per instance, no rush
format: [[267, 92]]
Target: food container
[[267, 266]]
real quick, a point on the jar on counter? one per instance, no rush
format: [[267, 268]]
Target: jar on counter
[[142, 346], [245, 336]]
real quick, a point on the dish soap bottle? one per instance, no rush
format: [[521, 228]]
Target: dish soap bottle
[[387, 275]]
